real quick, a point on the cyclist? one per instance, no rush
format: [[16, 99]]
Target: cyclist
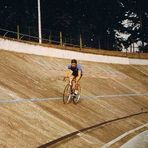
[[74, 72]]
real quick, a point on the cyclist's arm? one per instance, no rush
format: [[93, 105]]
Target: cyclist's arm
[[68, 73]]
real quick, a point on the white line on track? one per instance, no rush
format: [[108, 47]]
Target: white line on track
[[107, 145], [21, 100], [119, 95]]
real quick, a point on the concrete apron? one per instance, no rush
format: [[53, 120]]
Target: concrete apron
[[139, 141]]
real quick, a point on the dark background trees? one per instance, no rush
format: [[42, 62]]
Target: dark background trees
[[97, 20]]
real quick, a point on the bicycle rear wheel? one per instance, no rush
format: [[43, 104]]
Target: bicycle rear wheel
[[67, 94]]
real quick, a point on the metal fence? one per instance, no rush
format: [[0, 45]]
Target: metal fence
[[58, 38], [55, 38]]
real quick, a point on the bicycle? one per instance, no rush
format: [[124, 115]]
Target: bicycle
[[69, 95]]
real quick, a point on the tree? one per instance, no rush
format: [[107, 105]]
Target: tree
[[133, 23], [107, 24]]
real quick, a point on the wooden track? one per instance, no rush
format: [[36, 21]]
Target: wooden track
[[51, 143], [35, 123]]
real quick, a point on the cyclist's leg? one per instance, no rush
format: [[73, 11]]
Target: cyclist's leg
[[76, 78], [71, 78], [72, 83], [77, 83]]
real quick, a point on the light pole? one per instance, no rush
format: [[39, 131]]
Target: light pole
[[39, 22]]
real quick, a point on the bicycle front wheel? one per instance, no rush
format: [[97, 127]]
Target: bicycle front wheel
[[76, 99], [67, 94]]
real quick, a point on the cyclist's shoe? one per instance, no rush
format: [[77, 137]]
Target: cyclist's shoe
[[76, 92]]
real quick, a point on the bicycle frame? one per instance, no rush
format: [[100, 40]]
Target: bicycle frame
[[68, 93]]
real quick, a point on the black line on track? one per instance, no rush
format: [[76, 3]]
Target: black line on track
[[86, 129]]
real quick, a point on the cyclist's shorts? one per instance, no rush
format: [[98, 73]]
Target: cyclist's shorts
[[75, 74]]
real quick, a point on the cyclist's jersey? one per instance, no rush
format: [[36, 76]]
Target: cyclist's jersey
[[76, 69]]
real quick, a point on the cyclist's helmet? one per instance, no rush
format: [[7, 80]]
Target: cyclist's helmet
[[74, 61]]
